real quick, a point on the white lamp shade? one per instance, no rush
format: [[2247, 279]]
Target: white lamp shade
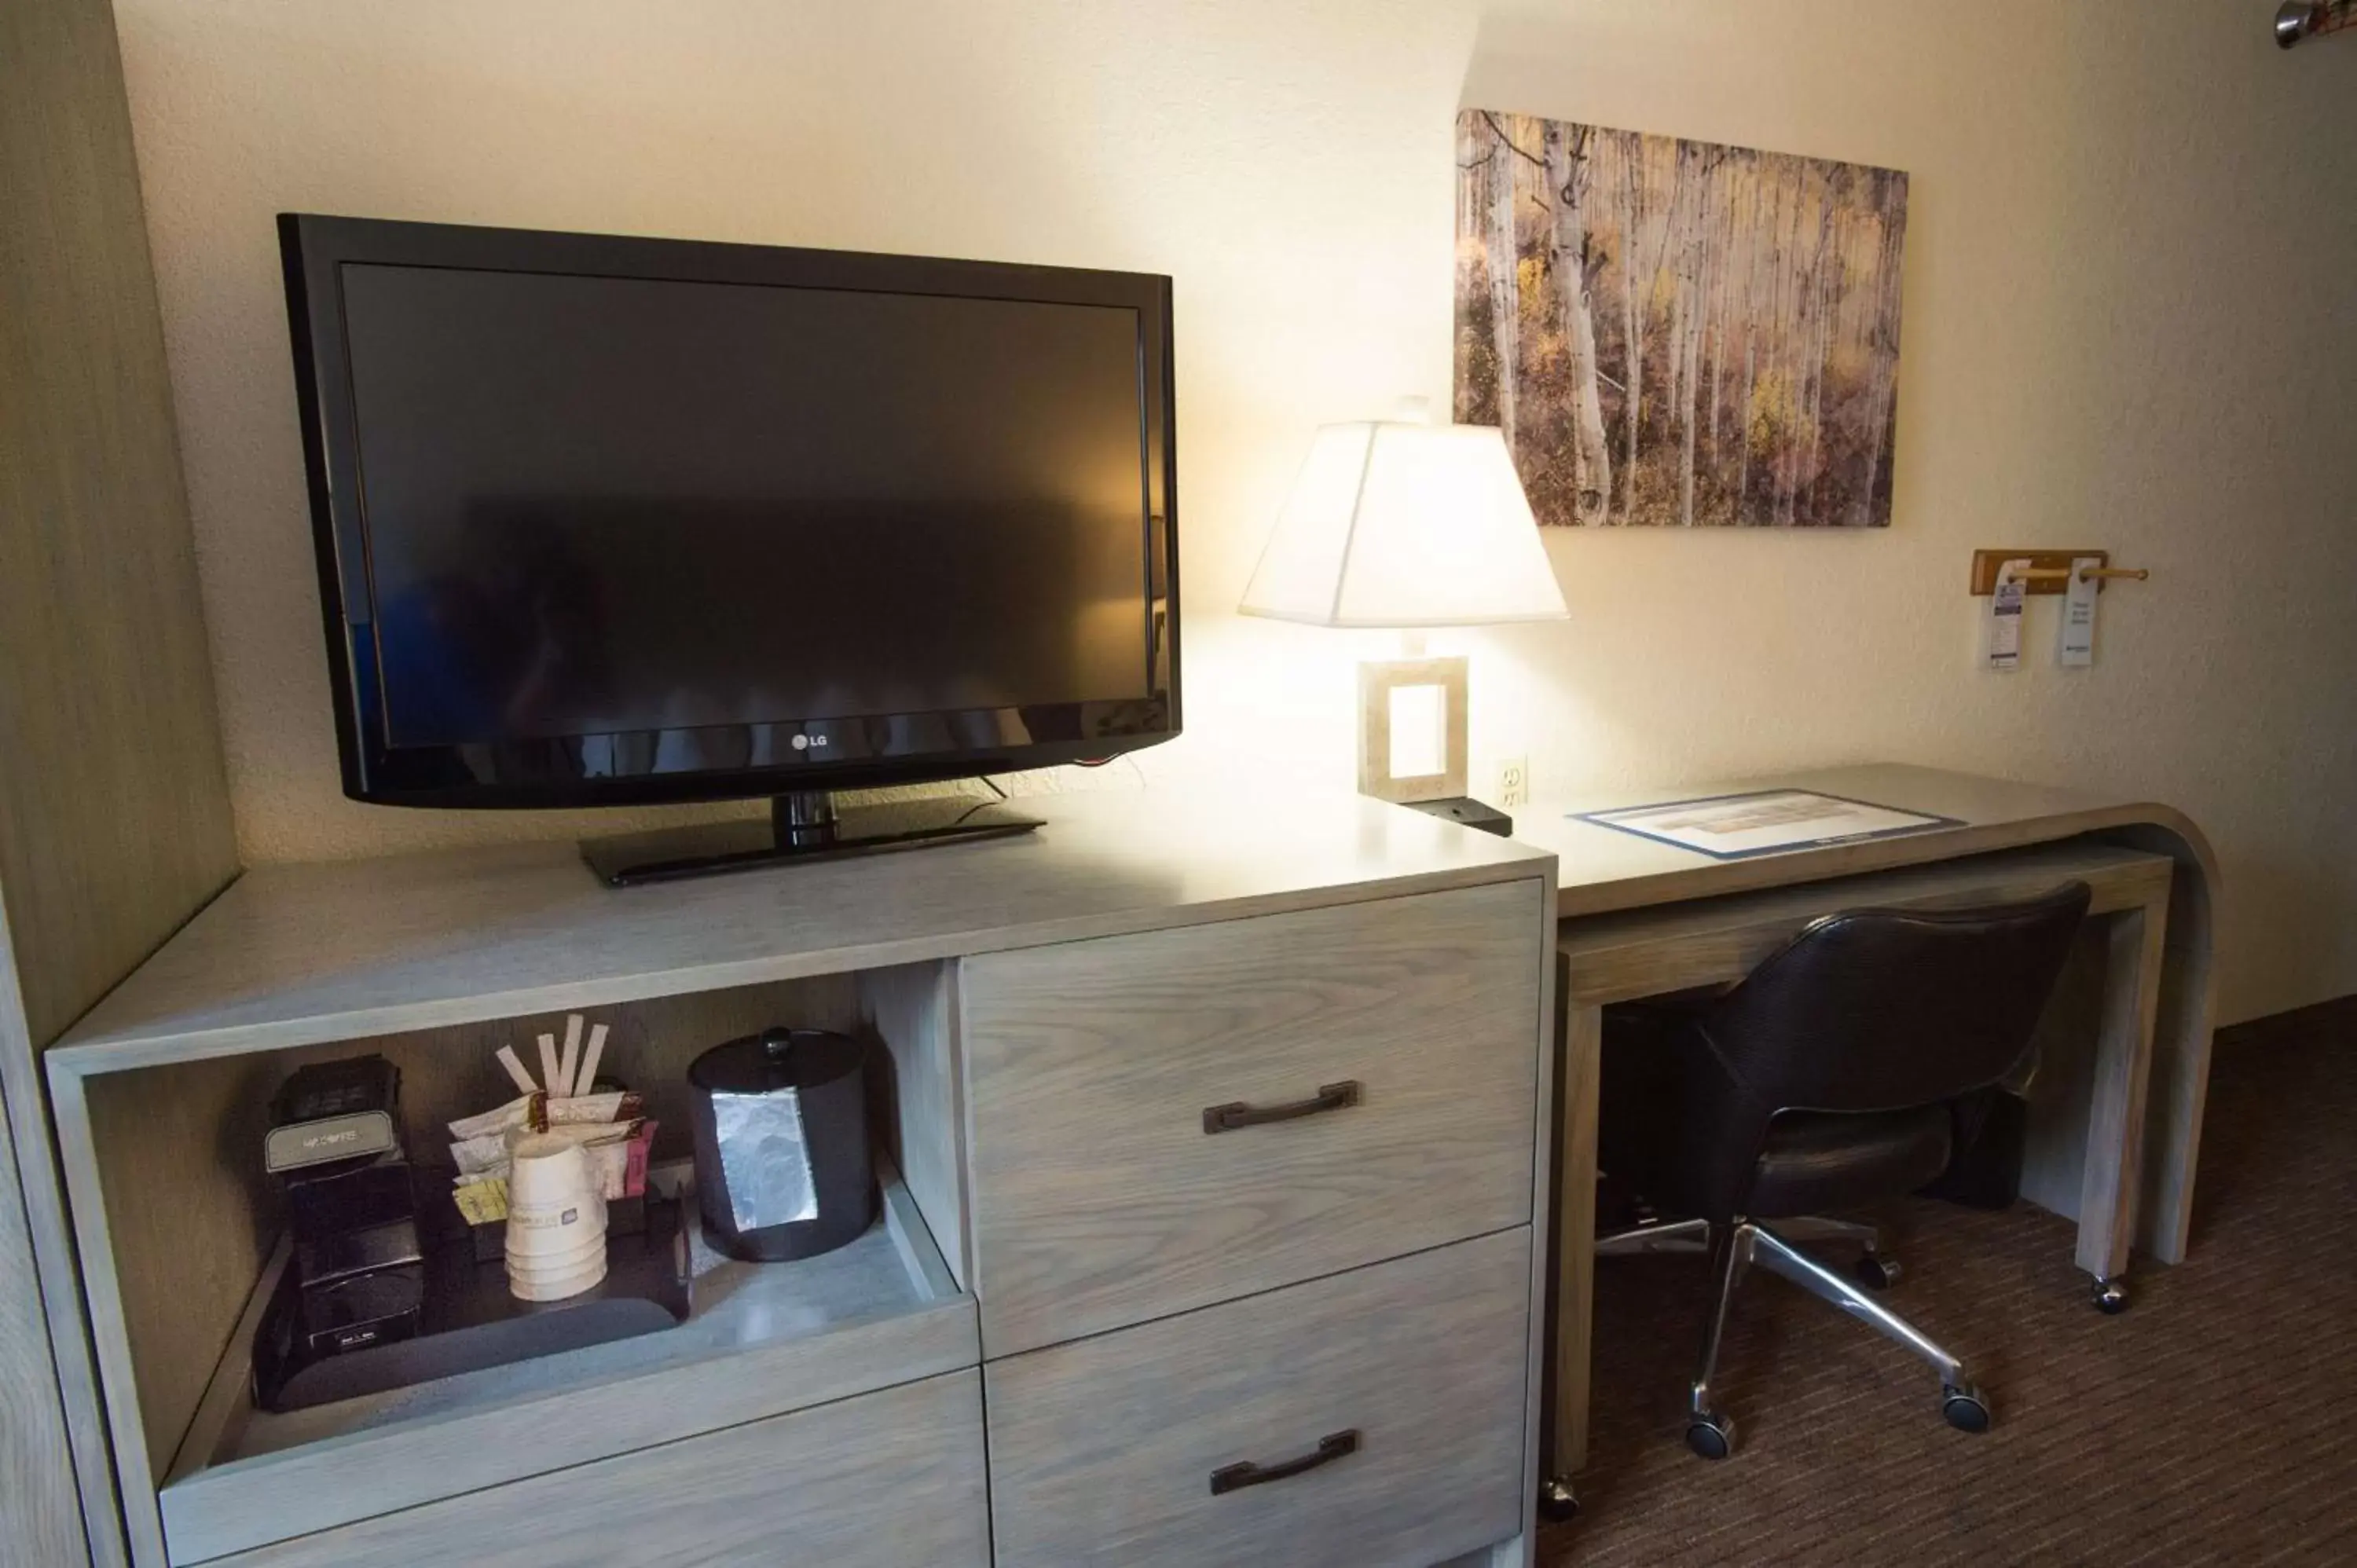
[[1405, 525]]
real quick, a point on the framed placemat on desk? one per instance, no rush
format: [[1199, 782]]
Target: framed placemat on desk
[[1764, 821]]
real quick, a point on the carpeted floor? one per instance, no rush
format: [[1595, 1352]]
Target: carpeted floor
[[2209, 1424]]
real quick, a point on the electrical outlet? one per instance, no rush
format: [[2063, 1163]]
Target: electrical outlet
[[1513, 783]]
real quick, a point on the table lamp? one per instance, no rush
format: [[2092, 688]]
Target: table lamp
[[1404, 523]]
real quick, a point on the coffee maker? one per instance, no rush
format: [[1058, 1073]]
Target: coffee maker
[[358, 1276]]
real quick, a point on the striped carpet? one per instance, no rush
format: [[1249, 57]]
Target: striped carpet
[[2209, 1424]]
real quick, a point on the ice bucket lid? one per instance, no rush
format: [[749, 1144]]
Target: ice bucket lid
[[776, 1059]]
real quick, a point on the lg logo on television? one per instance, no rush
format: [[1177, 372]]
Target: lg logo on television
[[803, 741]]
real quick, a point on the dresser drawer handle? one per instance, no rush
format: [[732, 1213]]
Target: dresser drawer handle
[[1235, 1477], [1331, 1097]]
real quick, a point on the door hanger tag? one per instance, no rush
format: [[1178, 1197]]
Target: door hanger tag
[[2001, 640], [2078, 644]]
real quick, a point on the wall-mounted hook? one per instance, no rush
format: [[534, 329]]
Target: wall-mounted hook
[[2049, 570]]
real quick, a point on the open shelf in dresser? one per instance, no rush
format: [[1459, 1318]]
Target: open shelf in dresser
[[763, 1340]]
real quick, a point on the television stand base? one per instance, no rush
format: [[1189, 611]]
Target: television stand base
[[804, 826]]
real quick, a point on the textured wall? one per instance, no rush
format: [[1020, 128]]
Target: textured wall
[[2128, 324]]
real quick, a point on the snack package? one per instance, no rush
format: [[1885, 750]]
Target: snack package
[[620, 1164], [524, 1111], [589, 1134], [615, 1105], [609, 1127], [482, 1200], [478, 1156]]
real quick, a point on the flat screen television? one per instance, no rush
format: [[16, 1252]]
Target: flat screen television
[[608, 520]]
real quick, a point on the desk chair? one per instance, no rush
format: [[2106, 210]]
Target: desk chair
[[1836, 1074]]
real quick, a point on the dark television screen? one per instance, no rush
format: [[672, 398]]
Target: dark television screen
[[614, 526], [602, 504]]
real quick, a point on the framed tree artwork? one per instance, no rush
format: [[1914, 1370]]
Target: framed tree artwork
[[1678, 334]]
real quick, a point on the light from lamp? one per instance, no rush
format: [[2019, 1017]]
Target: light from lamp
[[1396, 524]]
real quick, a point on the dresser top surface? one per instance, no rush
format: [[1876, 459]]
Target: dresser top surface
[[303, 954]]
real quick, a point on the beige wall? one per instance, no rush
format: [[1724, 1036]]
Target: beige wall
[[2130, 322]]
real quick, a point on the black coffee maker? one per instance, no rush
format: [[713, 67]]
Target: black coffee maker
[[335, 1146], [782, 1166]]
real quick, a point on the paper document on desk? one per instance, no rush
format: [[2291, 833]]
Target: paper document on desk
[[1765, 821]]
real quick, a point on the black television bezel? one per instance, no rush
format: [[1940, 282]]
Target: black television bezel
[[529, 774]]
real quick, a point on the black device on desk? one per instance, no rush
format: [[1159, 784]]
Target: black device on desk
[[1467, 811], [335, 1146]]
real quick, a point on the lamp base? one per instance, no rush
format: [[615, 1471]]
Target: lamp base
[[1471, 814], [1412, 729]]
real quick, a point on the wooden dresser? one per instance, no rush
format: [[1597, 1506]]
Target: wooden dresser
[[1217, 1166]]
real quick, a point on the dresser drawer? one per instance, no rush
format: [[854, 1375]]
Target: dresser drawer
[[1105, 1451], [881, 1481], [1100, 1198]]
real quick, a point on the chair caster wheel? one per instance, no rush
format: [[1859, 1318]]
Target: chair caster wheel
[[2111, 1296], [1556, 1502], [1711, 1435], [1876, 1272], [1965, 1408]]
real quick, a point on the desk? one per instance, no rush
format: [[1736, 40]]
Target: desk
[[1639, 917]]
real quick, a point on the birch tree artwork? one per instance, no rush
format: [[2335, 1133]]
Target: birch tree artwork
[[1676, 334]]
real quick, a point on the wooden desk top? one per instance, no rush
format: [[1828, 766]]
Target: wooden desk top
[[293, 955], [1602, 869]]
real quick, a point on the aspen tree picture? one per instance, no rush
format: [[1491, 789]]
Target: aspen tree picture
[[1677, 333]]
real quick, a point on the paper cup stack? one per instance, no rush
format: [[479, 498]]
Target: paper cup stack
[[557, 1222]]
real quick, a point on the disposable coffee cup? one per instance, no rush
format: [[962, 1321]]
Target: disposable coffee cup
[[557, 1222], [556, 1282], [540, 1232], [546, 1172], [560, 1288], [556, 1262]]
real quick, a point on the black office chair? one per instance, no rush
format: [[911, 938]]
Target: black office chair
[[1835, 1075]]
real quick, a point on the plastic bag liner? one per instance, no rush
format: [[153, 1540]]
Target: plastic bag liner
[[764, 1158]]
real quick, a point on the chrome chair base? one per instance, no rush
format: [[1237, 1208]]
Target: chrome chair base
[[1694, 1236], [1733, 1248]]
